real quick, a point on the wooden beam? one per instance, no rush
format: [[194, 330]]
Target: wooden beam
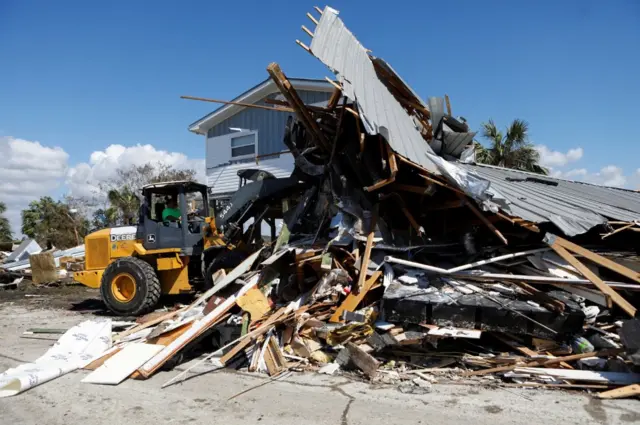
[[592, 256], [364, 266], [304, 46], [619, 229], [310, 16], [351, 302], [286, 88], [245, 340], [446, 99], [482, 218], [541, 297], [623, 392], [305, 29], [318, 10], [412, 220], [393, 164], [584, 270], [381, 183], [334, 99], [148, 323], [363, 360], [516, 346], [248, 105], [547, 362], [333, 83], [352, 111]]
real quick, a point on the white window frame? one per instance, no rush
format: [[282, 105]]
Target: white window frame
[[242, 134]]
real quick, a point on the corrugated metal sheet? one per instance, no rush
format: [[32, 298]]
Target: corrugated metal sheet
[[574, 207], [337, 48], [224, 179], [454, 143], [270, 124]]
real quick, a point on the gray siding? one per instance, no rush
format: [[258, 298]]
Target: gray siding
[[270, 124]]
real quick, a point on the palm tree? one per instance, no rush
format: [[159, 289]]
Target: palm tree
[[512, 150], [125, 202]]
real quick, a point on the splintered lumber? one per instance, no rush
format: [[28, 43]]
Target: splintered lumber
[[149, 323], [273, 357], [482, 218], [196, 329], [351, 302], [304, 46], [541, 297], [446, 100], [287, 90], [305, 29], [367, 251], [554, 240], [622, 378], [100, 360], [623, 392], [247, 105], [314, 20], [586, 272], [364, 361], [43, 268], [547, 362], [516, 346], [245, 340]]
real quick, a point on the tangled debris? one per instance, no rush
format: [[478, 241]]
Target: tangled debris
[[402, 267]]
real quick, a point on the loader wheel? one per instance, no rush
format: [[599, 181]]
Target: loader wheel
[[130, 287], [224, 260]]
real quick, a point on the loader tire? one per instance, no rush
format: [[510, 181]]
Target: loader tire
[[130, 287], [224, 260]]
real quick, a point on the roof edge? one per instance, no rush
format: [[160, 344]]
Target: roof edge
[[254, 94]]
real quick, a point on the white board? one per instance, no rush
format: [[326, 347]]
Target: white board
[[583, 375], [117, 368], [456, 333]]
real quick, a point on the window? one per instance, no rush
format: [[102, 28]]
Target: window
[[243, 145]]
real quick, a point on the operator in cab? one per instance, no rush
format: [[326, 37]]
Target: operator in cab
[[171, 211]]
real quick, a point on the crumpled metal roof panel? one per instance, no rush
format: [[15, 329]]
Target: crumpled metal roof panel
[[573, 207], [381, 113]]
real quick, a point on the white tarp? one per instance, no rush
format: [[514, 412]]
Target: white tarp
[[78, 347]]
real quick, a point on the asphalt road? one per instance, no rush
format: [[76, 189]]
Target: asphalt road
[[298, 399]]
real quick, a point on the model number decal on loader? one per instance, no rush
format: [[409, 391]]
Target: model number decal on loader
[[225, 210], [129, 237]]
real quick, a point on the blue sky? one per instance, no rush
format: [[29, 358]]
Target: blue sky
[[82, 75]]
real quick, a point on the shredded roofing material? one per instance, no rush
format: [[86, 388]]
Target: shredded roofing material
[[574, 207], [379, 110], [381, 113]]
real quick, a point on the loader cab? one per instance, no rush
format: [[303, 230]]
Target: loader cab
[[183, 229]]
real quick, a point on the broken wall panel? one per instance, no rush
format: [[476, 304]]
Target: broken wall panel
[[403, 304]]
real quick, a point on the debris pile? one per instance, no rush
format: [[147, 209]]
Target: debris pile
[[401, 265], [28, 261]]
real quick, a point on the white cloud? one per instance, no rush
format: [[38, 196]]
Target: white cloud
[[83, 179], [611, 175], [551, 158], [28, 170]]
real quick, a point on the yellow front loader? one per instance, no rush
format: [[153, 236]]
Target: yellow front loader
[[134, 265]]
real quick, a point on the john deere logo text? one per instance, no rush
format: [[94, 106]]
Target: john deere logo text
[[129, 237]]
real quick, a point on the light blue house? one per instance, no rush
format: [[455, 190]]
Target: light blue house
[[239, 137]]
